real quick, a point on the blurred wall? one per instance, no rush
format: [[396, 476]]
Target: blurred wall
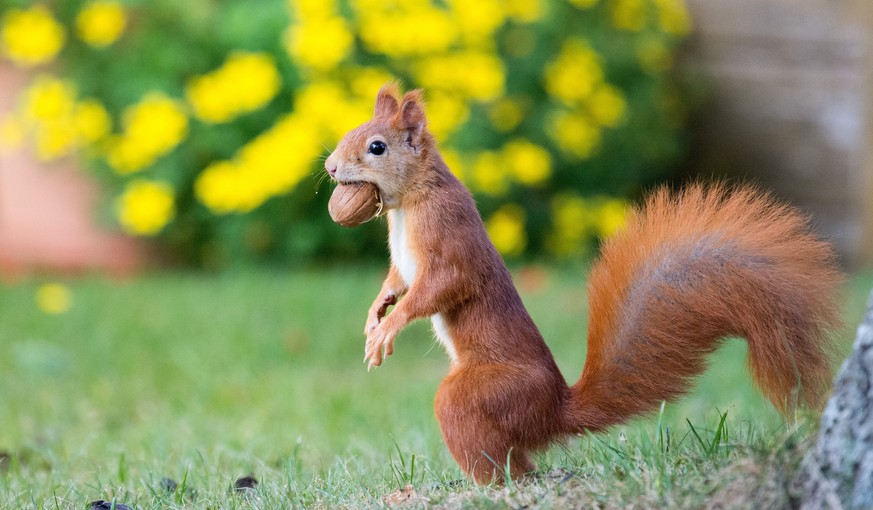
[[48, 211], [790, 86]]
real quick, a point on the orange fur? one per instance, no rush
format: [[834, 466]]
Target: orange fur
[[689, 269]]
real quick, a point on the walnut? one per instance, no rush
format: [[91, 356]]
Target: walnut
[[353, 204]]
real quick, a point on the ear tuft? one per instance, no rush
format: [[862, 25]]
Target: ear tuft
[[412, 111], [387, 105]]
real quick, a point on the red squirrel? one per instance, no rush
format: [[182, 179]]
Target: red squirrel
[[689, 269]]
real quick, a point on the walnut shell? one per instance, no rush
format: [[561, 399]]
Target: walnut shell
[[353, 204]]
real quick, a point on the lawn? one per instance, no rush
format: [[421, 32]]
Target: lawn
[[204, 379]]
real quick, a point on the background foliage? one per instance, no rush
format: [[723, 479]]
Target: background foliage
[[209, 119]]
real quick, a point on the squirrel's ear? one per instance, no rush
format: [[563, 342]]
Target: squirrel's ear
[[411, 116], [386, 101]]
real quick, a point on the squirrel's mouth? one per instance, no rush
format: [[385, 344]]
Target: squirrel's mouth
[[349, 183]]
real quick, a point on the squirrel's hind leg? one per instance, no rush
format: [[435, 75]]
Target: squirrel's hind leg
[[487, 429], [483, 453]]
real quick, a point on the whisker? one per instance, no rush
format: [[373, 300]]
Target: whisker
[[318, 171], [319, 182], [433, 345]]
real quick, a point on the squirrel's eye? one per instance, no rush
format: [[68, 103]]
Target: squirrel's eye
[[377, 148]]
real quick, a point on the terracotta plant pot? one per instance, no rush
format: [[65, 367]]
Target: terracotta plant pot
[[47, 211]]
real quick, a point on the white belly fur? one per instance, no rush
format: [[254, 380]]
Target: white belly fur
[[441, 330], [403, 259], [401, 255]]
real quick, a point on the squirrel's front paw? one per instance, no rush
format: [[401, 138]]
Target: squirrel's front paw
[[378, 310], [372, 321], [380, 345]]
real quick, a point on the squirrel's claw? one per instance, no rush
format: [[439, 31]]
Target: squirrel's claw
[[380, 345]]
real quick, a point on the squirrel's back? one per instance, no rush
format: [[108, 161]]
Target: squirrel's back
[[690, 269]]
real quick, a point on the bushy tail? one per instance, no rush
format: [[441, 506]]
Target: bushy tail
[[690, 269]]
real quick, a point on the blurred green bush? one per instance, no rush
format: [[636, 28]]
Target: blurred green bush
[[209, 119]]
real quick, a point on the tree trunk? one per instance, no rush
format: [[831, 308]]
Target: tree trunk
[[838, 472]]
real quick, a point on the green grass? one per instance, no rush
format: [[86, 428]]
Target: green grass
[[205, 379]]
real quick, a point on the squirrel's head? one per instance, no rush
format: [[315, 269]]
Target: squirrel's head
[[389, 149]]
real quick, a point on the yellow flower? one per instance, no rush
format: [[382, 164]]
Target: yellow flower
[[244, 83], [611, 216], [101, 22], [312, 9], [506, 230], [271, 164], [320, 102], [485, 77], [575, 73], [584, 4], [529, 163], [256, 78], [489, 174], [125, 157], [445, 114], [477, 19], [145, 207], [654, 56], [11, 133], [571, 221], [524, 11], [47, 108], [365, 82], [326, 106], [91, 121], [629, 15], [415, 28], [673, 17], [319, 45], [576, 78], [54, 298], [152, 128], [54, 140], [607, 105], [211, 99], [475, 75], [31, 37], [506, 114], [216, 187], [576, 135], [49, 99], [157, 121], [453, 160], [57, 122], [577, 221]]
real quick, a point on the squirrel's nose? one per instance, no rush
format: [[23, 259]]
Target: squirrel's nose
[[330, 165]]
